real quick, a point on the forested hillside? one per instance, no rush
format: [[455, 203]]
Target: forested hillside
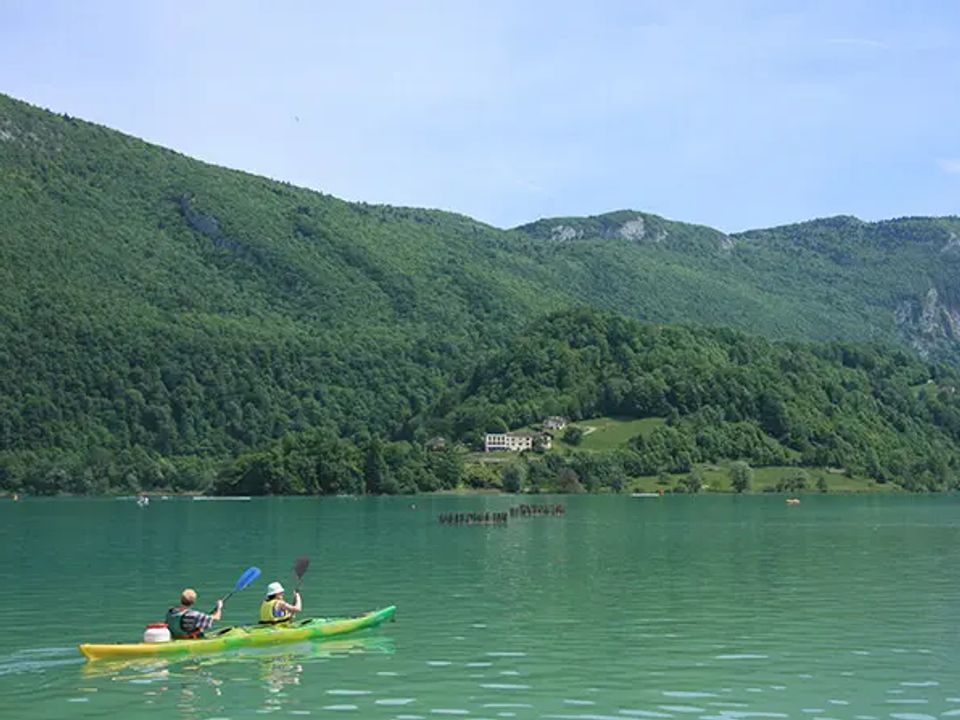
[[725, 396], [159, 316]]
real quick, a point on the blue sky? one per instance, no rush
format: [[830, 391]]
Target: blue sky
[[731, 114]]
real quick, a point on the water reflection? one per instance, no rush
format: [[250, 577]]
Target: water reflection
[[198, 686]]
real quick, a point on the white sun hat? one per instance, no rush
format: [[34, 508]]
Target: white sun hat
[[274, 588]]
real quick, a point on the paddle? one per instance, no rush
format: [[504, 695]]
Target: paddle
[[248, 576], [300, 569]]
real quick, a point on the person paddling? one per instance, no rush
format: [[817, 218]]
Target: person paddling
[[185, 622], [274, 609]]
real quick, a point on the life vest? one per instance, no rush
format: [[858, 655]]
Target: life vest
[[175, 624], [266, 612]]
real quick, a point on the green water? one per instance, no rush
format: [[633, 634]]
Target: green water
[[676, 608]]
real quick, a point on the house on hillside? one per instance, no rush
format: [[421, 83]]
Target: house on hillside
[[516, 442], [555, 422], [435, 444]]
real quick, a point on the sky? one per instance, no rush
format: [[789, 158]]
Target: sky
[[732, 114]]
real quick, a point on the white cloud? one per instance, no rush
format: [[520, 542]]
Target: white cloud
[[951, 166]]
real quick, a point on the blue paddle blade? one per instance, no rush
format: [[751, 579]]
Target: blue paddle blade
[[249, 575]]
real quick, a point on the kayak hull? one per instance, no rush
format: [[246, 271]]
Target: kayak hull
[[241, 637]]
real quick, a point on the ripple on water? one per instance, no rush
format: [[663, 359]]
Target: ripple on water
[[687, 694], [950, 713], [37, 661], [912, 716], [340, 708], [920, 683], [504, 686], [644, 713], [741, 656], [506, 653], [347, 692], [449, 711], [682, 708], [394, 701]]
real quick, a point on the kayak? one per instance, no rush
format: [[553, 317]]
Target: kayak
[[241, 637]]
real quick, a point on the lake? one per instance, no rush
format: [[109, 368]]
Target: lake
[[689, 607]]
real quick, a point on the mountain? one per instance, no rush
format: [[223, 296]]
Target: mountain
[[836, 278], [156, 307]]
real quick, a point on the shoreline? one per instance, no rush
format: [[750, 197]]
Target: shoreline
[[485, 492]]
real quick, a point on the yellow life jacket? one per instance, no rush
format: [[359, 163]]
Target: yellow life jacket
[[267, 615]]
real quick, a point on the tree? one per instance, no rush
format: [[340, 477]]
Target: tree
[[822, 484], [568, 481], [693, 483], [374, 468], [446, 465], [512, 477], [573, 435], [741, 476], [793, 482]]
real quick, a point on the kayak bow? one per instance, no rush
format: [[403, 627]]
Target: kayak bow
[[241, 637]]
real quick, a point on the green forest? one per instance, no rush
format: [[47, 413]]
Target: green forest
[[170, 325]]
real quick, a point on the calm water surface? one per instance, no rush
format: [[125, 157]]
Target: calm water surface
[[684, 608]]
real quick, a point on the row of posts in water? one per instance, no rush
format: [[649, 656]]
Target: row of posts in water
[[501, 518]]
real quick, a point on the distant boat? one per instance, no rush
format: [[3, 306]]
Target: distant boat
[[225, 497], [649, 495], [143, 501]]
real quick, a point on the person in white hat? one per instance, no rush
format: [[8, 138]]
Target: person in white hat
[[274, 609]]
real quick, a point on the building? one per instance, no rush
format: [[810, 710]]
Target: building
[[436, 444], [555, 422], [516, 442]]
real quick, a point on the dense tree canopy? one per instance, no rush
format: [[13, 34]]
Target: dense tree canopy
[[160, 317]]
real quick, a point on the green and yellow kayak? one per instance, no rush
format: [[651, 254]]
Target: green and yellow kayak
[[241, 637]]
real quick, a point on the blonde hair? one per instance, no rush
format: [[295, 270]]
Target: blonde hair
[[188, 596]]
